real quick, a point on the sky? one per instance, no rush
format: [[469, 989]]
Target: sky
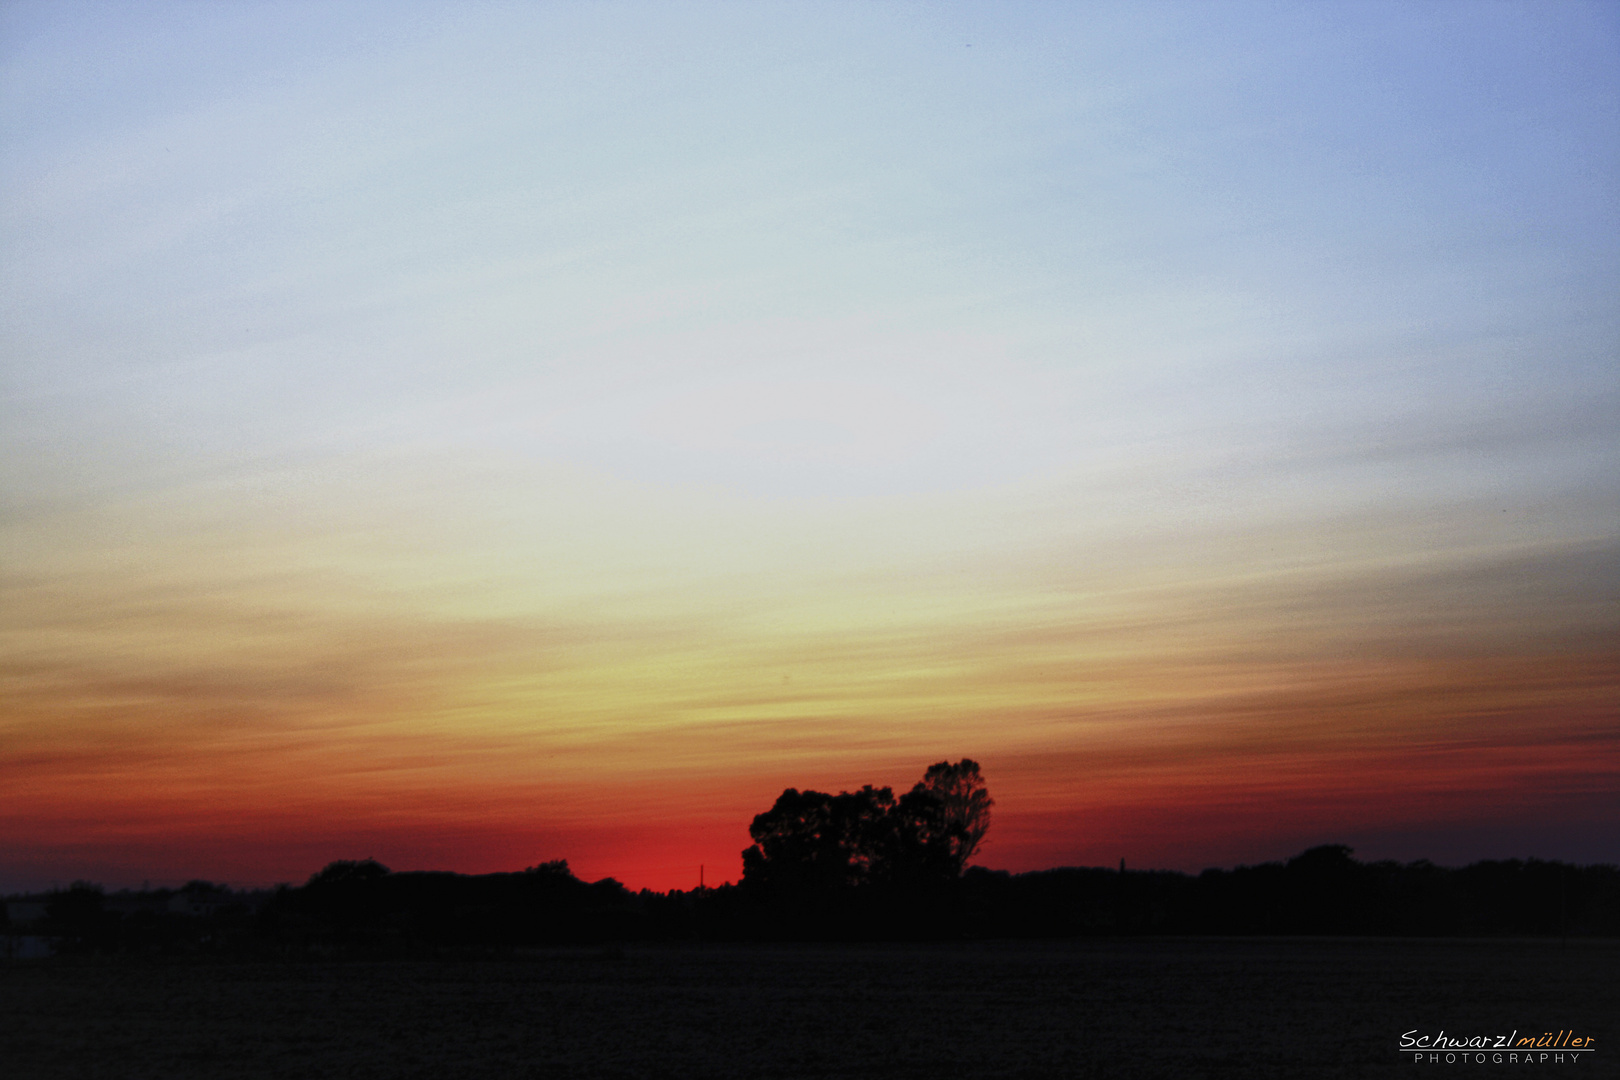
[[468, 435]]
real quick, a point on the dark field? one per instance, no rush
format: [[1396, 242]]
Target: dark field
[[1105, 1008]]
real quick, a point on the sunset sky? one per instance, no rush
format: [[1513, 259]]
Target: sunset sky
[[469, 435]]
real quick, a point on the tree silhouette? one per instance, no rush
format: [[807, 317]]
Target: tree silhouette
[[346, 870], [810, 841], [962, 805], [556, 868]]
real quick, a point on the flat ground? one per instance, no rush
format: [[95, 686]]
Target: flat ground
[[1110, 1008]]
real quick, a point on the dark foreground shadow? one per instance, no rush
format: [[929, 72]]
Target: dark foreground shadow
[[1167, 1007]]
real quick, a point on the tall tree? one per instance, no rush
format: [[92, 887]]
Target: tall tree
[[951, 813]]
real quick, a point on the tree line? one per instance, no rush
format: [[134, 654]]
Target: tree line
[[855, 865]]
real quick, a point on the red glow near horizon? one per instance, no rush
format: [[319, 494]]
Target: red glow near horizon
[[1487, 802]]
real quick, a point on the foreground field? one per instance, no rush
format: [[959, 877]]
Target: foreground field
[[1109, 1008]]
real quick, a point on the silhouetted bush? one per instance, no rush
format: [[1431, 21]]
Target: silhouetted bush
[[356, 909]]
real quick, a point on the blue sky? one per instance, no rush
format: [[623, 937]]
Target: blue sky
[[1034, 224]]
